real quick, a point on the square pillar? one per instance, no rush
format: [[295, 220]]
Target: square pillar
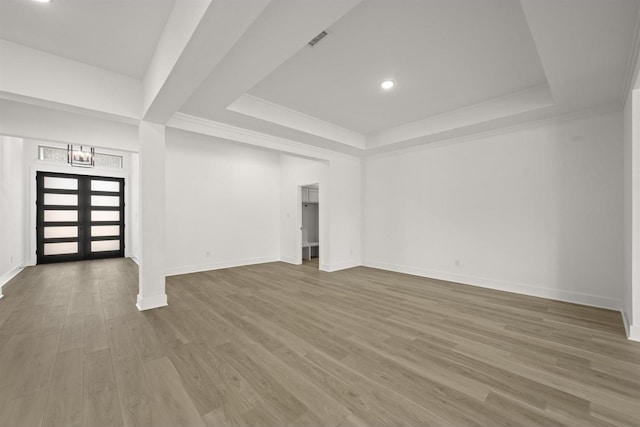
[[634, 293], [151, 284]]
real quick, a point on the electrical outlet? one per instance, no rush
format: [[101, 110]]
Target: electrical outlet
[[208, 254], [457, 263]]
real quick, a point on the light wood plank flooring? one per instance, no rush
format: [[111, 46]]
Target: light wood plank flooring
[[282, 345]]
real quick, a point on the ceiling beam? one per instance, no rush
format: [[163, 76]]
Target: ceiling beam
[[36, 77], [197, 36], [285, 27], [277, 114]]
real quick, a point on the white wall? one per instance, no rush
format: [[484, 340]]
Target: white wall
[[340, 187], [535, 210], [223, 203], [12, 207], [345, 215], [30, 121]]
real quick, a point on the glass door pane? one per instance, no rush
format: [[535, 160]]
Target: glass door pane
[[60, 216], [105, 245], [61, 248], [105, 230], [105, 216], [105, 200], [97, 185], [55, 199], [54, 182], [60, 232]]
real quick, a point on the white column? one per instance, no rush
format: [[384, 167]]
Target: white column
[[634, 326], [151, 287]]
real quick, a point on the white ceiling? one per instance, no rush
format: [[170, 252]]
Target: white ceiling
[[461, 66], [117, 35], [443, 55]]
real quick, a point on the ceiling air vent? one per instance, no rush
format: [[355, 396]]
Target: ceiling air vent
[[317, 38]]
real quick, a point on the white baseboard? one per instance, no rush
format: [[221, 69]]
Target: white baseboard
[[290, 260], [135, 259], [555, 294], [337, 266], [633, 332], [5, 278], [147, 303], [174, 271], [627, 329]]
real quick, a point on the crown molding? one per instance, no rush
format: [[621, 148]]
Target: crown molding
[[234, 133], [501, 130], [262, 109], [526, 100], [68, 108], [202, 126]]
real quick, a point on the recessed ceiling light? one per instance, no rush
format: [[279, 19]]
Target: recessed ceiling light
[[42, 1], [387, 84]]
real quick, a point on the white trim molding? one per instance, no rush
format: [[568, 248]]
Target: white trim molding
[[290, 260], [262, 109], [444, 140], [202, 126], [510, 105], [174, 271], [519, 288], [343, 265], [5, 278], [147, 303], [633, 332]]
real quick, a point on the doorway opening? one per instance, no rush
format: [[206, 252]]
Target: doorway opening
[[79, 217], [310, 225]]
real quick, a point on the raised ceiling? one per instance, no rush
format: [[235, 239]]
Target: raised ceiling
[[443, 55], [117, 35], [461, 66]]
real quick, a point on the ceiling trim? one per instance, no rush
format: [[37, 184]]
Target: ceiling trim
[[509, 105], [552, 118], [268, 111], [233, 133], [58, 106]]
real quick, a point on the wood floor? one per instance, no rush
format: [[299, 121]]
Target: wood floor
[[282, 345]]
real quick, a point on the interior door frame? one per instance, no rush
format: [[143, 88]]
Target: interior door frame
[[299, 222], [84, 222]]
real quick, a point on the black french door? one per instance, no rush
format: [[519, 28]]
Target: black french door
[[79, 217]]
